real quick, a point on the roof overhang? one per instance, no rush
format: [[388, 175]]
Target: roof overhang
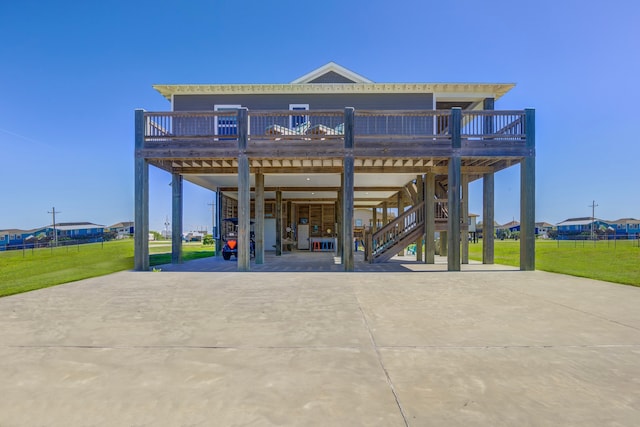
[[442, 90]]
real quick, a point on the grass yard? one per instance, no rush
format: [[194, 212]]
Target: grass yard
[[612, 261], [40, 268]]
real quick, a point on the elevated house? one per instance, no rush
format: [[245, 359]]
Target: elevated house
[[297, 159], [18, 239], [626, 228], [582, 227]]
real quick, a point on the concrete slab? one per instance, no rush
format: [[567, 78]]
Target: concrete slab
[[399, 346]]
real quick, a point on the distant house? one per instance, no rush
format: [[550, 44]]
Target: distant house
[[18, 239], [574, 227], [75, 230], [626, 228], [543, 229], [15, 238], [193, 236], [121, 230]]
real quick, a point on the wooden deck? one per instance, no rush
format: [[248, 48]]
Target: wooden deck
[[384, 141]]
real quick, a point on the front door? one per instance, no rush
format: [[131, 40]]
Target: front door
[[303, 236]]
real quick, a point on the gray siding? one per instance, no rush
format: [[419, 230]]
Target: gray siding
[[331, 77], [401, 101]]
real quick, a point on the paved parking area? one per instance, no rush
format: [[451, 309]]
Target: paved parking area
[[394, 347]]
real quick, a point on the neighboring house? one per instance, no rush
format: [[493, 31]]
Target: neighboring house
[[543, 229], [193, 236], [121, 230], [18, 239], [574, 227], [313, 151], [15, 238], [75, 231], [626, 228]]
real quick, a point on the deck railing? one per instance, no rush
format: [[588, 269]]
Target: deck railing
[[432, 125], [489, 124]]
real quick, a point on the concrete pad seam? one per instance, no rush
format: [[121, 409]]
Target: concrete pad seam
[[187, 347], [572, 308], [486, 347], [379, 357]]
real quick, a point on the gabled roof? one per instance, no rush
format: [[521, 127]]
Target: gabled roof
[[580, 221], [316, 75], [510, 224], [543, 224]]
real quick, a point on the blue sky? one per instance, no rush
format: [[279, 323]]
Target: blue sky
[[73, 72]]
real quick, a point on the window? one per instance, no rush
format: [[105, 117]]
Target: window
[[226, 125], [298, 120]]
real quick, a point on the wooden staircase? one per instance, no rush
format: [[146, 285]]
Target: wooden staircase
[[398, 234]]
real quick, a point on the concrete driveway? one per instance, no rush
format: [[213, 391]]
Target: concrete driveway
[[487, 346]]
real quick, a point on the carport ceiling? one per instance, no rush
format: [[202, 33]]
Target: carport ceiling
[[371, 189]]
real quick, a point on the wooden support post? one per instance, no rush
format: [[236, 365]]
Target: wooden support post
[[278, 222], [453, 253], [400, 212], [259, 219], [340, 220], [420, 199], [141, 200], [219, 242], [444, 243], [488, 218], [385, 214], [465, 219], [349, 172], [430, 218], [374, 225], [527, 197], [176, 218], [244, 192]]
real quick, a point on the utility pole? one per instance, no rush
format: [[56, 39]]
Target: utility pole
[[213, 218], [55, 232], [593, 207], [166, 227]]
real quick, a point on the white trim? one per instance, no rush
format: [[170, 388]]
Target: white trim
[[297, 107], [219, 107], [444, 91], [327, 68]]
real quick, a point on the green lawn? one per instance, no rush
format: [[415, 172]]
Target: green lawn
[[612, 261], [40, 268]]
